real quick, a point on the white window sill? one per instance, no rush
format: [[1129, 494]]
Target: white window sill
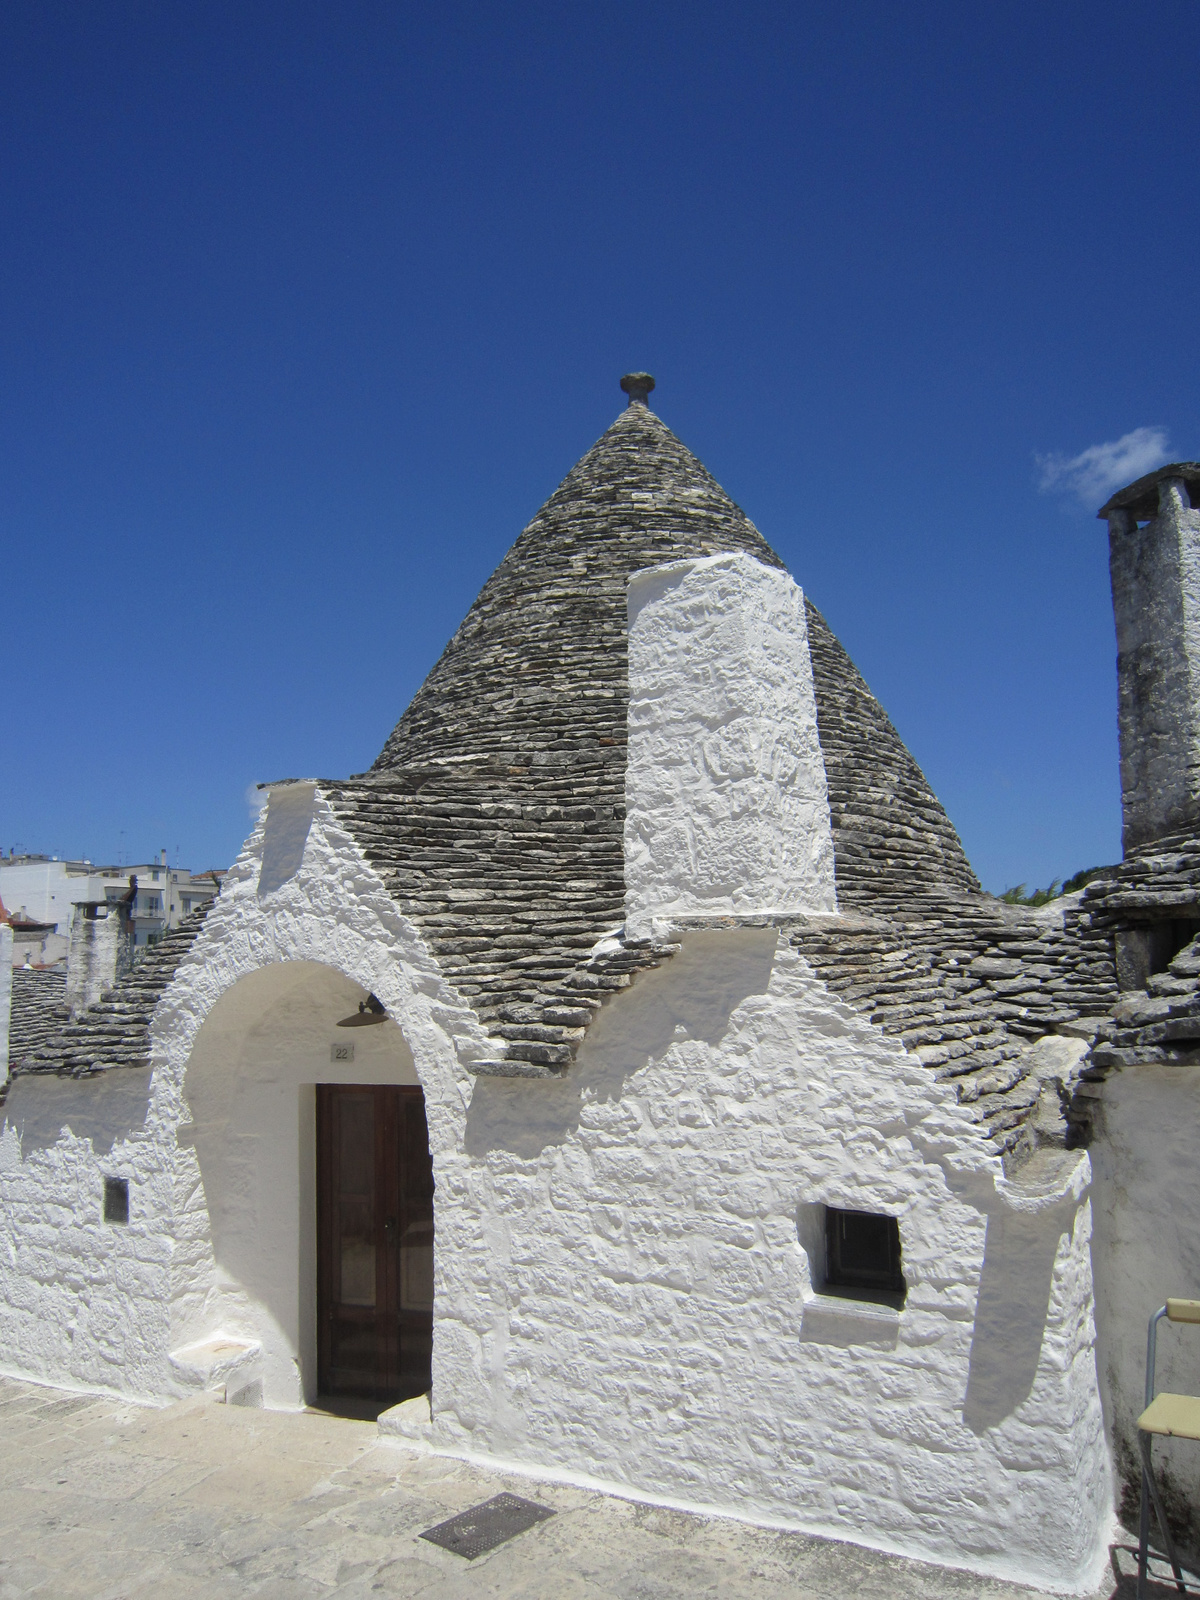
[[836, 1305]]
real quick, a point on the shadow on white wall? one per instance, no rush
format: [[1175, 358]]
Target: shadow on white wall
[[289, 818], [1011, 1310], [104, 1108], [693, 995]]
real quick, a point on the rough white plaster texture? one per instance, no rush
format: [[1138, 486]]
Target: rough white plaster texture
[[726, 803], [1155, 574], [1146, 1249], [6, 944], [632, 1300], [98, 1305], [84, 1302]]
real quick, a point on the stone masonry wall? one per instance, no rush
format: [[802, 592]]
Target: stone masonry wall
[[1155, 572]]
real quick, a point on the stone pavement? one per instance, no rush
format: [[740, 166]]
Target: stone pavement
[[107, 1500]]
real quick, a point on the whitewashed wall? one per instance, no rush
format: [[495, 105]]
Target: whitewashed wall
[[85, 1303], [1147, 1248], [641, 1310], [100, 1305], [622, 1291], [726, 803], [44, 889]]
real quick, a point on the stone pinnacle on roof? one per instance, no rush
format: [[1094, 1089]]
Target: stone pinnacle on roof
[[637, 385]]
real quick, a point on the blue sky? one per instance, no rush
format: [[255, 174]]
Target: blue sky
[[308, 307]]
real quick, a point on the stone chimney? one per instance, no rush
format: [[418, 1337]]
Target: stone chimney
[[726, 802], [100, 951], [1154, 561]]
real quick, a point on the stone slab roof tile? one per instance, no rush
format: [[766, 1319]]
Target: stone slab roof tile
[[1157, 877], [915, 980], [39, 1008]]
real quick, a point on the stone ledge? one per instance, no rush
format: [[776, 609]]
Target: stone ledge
[[844, 1305], [829, 1319], [410, 1421], [228, 1369], [513, 1069]]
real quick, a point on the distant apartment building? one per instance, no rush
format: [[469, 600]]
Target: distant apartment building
[[38, 895]]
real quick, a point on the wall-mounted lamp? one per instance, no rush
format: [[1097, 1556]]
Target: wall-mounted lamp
[[369, 1012]]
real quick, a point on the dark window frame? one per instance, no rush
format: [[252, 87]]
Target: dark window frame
[[116, 1200], [863, 1257]]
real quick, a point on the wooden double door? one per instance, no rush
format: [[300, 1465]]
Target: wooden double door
[[375, 1243]]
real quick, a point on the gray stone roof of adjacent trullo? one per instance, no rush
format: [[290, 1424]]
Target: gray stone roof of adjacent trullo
[[39, 1008], [115, 1031], [1157, 882], [495, 810]]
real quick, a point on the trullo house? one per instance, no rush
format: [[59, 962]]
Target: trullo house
[[624, 1079]]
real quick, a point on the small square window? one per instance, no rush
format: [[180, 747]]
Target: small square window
[[116, 1200], [862, 1253]]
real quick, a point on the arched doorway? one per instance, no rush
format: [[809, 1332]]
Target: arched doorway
[[252, 1191], [375, 1249]]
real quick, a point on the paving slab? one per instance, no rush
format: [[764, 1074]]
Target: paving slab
[[112, 1501]]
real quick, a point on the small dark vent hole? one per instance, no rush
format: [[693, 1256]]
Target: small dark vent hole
[[1168, 939], [862, 1253], [116, 1200]]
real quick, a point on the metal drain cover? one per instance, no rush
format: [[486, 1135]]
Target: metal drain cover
[[472, 1533]]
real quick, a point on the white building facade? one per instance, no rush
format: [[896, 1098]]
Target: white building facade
[[46, 890]]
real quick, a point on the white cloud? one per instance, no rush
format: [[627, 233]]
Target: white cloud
[[256, 799], [1095, 472]]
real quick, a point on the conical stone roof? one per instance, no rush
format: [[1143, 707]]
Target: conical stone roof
[[538, 670], [537, 675], [495, 812]]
